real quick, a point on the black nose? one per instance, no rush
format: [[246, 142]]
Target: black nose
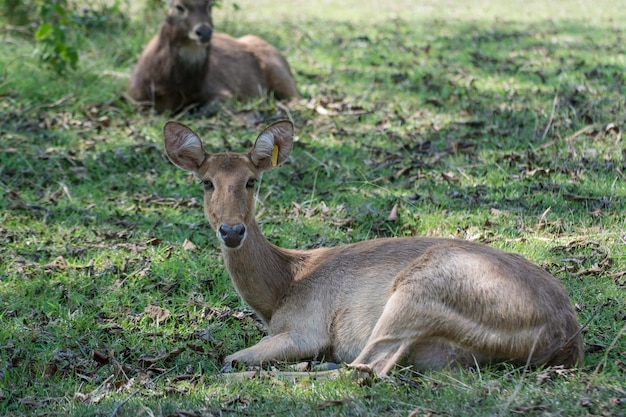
[[204, 33], [232, 236]]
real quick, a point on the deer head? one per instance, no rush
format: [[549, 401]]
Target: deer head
[[190, 22], [229, 178]]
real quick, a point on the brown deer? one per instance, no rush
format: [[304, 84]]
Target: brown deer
[[187, 63], [425, 302]]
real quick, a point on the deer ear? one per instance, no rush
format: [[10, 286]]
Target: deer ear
[[273, 146], [183, 147]]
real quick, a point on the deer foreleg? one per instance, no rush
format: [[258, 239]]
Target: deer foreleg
[[281, 347]]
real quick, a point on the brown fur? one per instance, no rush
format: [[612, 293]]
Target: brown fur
[[179, 67], [426, 302]]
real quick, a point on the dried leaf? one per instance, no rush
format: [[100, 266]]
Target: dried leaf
[[30, 401], [449, 177], [162, 356], [611, 127], [586, 402], [195, 348], [58, 263], [205, 334], [594, 270], [154, 241], [537, 172], [497, 212], [51, 369], [189, 246], [403, 171], [157, 313], [121, 383], [393, 214], [242, 314], [105, 121], [97, 394], [528, 409], [100, 357], [594, 347], [331, 403], [185, 413], [552, 373]]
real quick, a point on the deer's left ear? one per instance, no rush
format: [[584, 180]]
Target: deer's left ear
[[183, 147], [273, 146]]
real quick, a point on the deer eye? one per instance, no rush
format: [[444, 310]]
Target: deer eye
[[251, 182], [180, 8], [208, 185]]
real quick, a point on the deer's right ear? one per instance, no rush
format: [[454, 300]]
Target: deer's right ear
[[273, 146], [183, 147]]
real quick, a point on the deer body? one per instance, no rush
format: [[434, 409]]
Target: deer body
[[187, 63], [426, 302]]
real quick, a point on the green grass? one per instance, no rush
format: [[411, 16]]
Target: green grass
[[489, 122]]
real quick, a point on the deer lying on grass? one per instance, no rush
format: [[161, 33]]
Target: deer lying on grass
[[187, 63], [426, 302]]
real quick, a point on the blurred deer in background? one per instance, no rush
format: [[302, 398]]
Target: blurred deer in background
[[187, 63], [425, 302]]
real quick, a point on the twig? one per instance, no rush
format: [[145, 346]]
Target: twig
[[326, 167], [56, 103], [416, 408], [571, 338], [567, 139], [426, 377], [524, 374], [554, 102], [245, 375], [584, 326], [285, 109], [117, 407], [324, 112], [606, 356]]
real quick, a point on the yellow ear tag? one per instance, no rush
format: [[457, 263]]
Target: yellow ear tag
[[275, 155]]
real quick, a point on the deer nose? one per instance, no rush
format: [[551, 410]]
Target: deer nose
[[232, 236], [204, 32]]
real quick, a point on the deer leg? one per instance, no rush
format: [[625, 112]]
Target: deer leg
[[388, 342], [401, 331], [380, 355], [283, 346]]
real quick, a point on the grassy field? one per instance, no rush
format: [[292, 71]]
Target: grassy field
[[492, 121]]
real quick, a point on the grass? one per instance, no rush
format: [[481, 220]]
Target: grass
[[500, 123]]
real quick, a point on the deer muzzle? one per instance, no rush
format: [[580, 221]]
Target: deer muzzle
[[201, 33], [232, 236]]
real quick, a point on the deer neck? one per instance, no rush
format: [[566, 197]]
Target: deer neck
[[193, 56], [262, 272], [183, 58]]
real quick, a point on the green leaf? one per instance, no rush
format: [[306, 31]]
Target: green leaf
[[43, 32], [70, 55]]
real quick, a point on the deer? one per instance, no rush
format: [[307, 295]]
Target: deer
[[426, 302], [187, 64]]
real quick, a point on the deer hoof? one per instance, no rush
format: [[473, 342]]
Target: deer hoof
[[228, 367]]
